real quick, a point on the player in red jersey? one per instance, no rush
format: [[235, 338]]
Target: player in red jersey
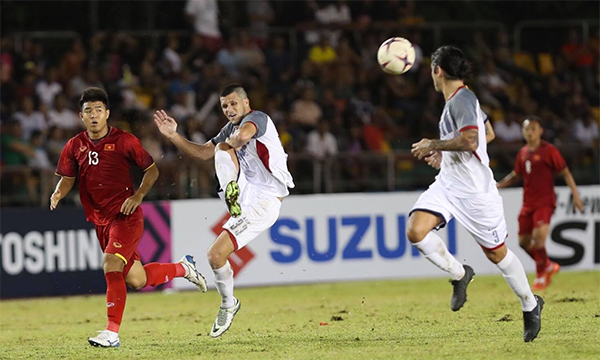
[[102, 158], [536, 163]]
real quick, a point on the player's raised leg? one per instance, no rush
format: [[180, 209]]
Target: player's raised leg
[[154, 274], [420, 234], [514, 274], [227, 170], [217, 254]]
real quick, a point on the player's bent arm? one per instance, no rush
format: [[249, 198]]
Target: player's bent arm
[[509, 180], [468, 141], [566, 173], [65, 184], [192, 149], [490, 135], [150, 177], [242, 135]]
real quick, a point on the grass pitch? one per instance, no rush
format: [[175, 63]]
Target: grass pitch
[[359, 320]]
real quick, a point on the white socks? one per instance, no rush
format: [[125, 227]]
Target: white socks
[[513, 272], [224, 283], [436, 251], [225, 168]]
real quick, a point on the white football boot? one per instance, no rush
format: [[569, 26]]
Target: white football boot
[[224, 319], [191, 274], [105, 338]]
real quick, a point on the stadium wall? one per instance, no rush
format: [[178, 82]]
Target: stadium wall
[[318, 238]]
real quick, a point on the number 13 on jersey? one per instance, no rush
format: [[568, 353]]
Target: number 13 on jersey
[[93, 158]]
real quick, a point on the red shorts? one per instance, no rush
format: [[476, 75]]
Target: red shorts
[[121, 237], [531, 218]]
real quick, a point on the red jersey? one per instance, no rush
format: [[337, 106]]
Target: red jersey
[[537, 169], [104, 170]]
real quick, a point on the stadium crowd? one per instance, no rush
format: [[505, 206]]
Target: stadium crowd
[[324, 89]]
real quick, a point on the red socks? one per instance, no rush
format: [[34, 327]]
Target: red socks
[[116, 294], [158, 274], [541, 261]]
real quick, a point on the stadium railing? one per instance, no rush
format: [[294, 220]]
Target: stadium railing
[[344, 172]]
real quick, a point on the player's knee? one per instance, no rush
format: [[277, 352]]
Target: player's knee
[[416, 233], [215, 258], [112, 263], [136, 283]]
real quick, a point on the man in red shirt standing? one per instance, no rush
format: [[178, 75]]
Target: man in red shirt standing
[[102, 158], [536, 163]]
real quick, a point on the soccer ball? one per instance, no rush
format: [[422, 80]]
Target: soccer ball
[[396, 55]]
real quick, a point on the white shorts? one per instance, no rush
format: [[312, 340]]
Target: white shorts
[[482, 215], [259, 213]]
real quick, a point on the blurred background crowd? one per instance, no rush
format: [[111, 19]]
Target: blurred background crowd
[[310, 65]]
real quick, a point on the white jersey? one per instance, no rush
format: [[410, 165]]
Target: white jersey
[[465, 173], [262, 160]]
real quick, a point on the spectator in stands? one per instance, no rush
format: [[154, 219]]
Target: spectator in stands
[[56, 141], [577, 53], [79, 83], [323, 52], [30, 119], [508, 130], [40, 159], [280, 66], [73, 61], [305, 112], [204, 16], [586, 131], [63, 117], [493, 85], [321, 143], [171, 60], [47, 88], [14, 150], [261, 15]]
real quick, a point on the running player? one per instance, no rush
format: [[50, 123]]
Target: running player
[[536, 164], [251, 167], [102, 157], [465, 189]]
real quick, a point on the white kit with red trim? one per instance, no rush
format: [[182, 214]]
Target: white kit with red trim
[[465, 173]]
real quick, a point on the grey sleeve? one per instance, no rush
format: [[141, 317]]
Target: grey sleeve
[[223, 134], [259, 119], [463, 111]]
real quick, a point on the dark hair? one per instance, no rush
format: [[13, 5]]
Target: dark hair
[[237, 88], [453, 61], [93, 94], [35, 134], [535, 118]]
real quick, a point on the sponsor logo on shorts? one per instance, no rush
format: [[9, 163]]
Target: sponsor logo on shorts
[[117, 245], [110, 304]]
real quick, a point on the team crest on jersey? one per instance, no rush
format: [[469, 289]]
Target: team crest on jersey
[[83, 148], [109, 147]]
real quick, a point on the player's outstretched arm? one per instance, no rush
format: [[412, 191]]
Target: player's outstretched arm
[[168, 127], [65, 184], [566, 173], [467, 141], [509, 180]]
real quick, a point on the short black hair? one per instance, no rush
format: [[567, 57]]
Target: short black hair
[[237, 88], [535, 118], [93, 94], [453, 61]]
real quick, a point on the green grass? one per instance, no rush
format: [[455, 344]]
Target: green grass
[[376, 320]]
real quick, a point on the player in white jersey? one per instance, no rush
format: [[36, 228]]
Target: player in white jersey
[[251, 167], [466, 190]]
